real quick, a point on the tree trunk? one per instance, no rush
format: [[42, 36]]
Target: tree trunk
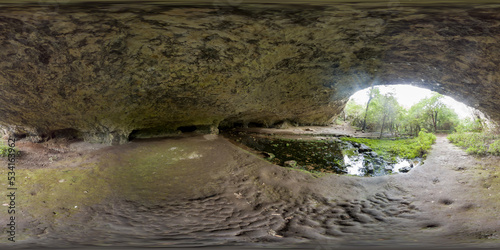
[[391, 128], [434, 120], [382, 129], [367, 106]]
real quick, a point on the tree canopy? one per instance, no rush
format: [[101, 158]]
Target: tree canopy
[[384, 113]]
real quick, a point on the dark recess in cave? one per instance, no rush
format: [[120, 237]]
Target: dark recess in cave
[[133, 134], [187, 129], [67, 133]]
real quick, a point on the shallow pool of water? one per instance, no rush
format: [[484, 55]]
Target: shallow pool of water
[[329, 155]]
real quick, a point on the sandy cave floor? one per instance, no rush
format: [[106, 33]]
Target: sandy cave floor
[[210, 192]]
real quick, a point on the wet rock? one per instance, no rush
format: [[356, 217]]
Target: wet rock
[[284, 125], [341, 170], [268, 156], [107, 137], [337, 140], [291, 164], [369, 167], [346, 145], [405, 169], [363, 148]]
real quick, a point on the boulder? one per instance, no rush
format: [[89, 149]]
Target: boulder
[[268, 156], [369, 167], [405, 169], [363, 148], [291, 164]]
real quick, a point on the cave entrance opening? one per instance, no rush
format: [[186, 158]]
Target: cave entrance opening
[[396, 110], [382, 130], [393, 127]]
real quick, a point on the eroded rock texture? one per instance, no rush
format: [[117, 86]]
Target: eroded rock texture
[[103, 71]]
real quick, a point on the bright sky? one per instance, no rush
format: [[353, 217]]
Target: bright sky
[[408, 95]]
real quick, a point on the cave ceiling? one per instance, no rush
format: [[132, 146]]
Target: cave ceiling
[[108, 69]]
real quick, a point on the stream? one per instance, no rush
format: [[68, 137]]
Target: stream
[[325, 155]]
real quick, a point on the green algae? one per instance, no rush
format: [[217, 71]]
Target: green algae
[[54, 192], [159, 171], [146, 173], [404, 148], [316, 156]]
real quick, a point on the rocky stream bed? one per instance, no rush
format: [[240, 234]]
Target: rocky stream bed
[[323, 154]]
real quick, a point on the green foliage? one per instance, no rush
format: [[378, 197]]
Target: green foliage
[[479, 143], [404, 148], [494, 148], [354, 113], [4, 150], [469, 125], [338, 121], [384, 113], [432, 114]]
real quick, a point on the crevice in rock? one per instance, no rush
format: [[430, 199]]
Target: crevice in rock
[[187, 129]]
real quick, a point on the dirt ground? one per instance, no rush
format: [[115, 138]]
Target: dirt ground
[[203, 190], [332, 130]]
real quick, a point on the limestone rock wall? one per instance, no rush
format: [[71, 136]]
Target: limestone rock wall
[[103, 71]]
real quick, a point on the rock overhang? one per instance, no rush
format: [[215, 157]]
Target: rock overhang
[[104, 71]]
